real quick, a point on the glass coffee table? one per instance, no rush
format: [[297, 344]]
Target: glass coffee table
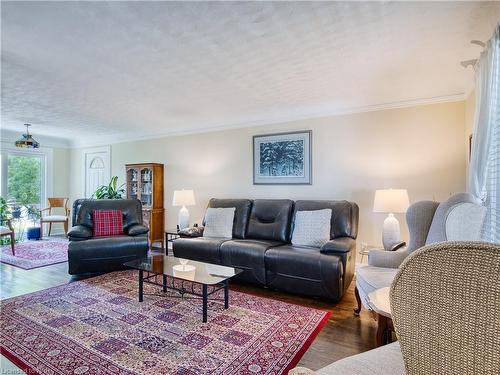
[[176, 271]]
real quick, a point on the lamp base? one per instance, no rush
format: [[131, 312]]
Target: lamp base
[[392, 232], [183, 221]]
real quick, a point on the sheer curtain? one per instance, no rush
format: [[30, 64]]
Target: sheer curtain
[[484, 171]]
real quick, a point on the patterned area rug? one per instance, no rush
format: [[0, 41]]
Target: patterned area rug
[[34, 254], [97, 326]]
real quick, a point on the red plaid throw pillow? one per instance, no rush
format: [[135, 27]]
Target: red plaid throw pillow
[[107, 222]]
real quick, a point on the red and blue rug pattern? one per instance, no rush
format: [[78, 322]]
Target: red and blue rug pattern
[[34, 254], [97, 326]]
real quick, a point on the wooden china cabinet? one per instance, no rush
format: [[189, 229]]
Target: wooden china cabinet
[[145, 182]]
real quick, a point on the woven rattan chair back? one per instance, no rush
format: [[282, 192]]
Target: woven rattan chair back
[[445, 303]]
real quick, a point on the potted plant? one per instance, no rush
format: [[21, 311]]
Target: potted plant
[[34, 214], [110, 191]]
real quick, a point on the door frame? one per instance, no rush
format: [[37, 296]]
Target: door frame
[[107, 160], [46, 155]]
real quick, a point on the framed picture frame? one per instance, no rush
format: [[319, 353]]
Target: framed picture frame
[[283, 158]]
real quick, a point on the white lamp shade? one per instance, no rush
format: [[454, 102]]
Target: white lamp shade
[[391, 201], [183, 198]]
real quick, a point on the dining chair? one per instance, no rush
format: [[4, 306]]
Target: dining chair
[[55, 218], [8, 230]]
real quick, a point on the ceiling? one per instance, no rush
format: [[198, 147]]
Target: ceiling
[[98, 72]]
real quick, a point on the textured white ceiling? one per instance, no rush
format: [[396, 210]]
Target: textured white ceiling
[[101, 71]]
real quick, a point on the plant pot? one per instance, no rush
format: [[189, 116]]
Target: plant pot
[[16, 214], [34, 233]]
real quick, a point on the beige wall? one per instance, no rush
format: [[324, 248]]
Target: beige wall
[[419, 148], [61, 165]]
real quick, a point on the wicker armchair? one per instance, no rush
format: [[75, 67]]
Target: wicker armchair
[[446, 317]]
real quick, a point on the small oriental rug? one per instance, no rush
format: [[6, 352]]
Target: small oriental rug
[[34, 254], [97, 326]]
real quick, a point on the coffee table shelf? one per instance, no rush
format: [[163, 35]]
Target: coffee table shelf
[[211, 277]]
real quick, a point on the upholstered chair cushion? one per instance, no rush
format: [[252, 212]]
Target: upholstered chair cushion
[[311, 228], [419, 219], [385, 360], [437, 230], [4, 230]]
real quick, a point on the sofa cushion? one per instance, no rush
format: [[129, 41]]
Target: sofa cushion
[[201, 248], [312, 228], [219, 222], [248, 255], [241, 214], [270, 220], [305, 270], [107, 223], [344, 215]]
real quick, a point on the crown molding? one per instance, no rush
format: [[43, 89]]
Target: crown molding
[[114, 139]]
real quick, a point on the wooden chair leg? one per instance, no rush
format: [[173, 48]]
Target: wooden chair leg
[[12, 243], [66, 228], [50, 228], [357, 310]]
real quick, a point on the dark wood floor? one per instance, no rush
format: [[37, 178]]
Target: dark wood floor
[[343, 335]]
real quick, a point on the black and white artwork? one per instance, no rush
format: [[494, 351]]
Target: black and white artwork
[[283, 158]]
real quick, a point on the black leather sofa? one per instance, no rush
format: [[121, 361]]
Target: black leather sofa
[[262, 233], [88, 254]]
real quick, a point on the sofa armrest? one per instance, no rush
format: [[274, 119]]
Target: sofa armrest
[[192, 232], [387, 259], [338, 245], [137, 229], [80, 232]]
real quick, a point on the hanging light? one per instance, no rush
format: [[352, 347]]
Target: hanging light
[[27, 140]]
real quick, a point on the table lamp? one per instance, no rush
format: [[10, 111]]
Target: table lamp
[[183, 198], [391, 201]]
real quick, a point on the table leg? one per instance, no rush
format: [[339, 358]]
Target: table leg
[[164, 284], [226, 294], [166, 244], [382, 330], [205, 303], [141, 286]]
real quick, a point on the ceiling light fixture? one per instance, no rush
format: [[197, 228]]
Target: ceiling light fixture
[[26, 140]]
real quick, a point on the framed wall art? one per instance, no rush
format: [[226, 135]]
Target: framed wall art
[[283, 158]]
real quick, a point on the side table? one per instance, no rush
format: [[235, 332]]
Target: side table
[[170, 236], [380, 303]]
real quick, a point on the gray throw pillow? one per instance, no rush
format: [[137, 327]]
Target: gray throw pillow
[[219, 222], [312, 228]]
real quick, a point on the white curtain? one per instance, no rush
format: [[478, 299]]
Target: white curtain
[[484, 173]]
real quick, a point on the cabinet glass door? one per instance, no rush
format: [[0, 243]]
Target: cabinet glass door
[[147, 187], [133, 183]]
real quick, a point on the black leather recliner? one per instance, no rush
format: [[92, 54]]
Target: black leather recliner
[[88, 254], [261, 245]]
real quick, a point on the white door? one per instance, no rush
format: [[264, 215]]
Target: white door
[[97, 169]]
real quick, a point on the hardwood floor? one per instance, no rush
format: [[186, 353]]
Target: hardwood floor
[[343, 335]]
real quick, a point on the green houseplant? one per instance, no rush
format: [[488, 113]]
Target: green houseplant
[[110, 191]]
